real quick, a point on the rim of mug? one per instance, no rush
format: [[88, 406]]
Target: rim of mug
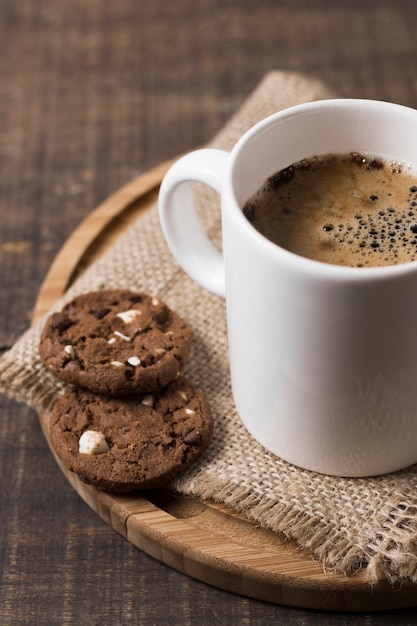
[[276, 251]]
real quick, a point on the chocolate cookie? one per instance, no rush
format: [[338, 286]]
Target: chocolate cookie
[[134, 442], [115, 342]]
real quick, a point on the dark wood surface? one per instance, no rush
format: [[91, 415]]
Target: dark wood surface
[[93, 93]]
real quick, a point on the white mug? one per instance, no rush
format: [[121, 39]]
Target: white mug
[[323, 358]]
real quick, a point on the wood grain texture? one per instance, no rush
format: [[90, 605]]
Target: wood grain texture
[[92, 94], [202, 539]]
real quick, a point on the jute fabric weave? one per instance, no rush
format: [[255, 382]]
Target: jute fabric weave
[[346, 523]]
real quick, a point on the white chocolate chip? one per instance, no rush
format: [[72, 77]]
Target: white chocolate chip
[[160, 351], [122, 336], [183, 395], [117, 363], [93, 442], [133, 360], [155, 301], [189, 412], [69, 349], [129, 316], [148, 400], [112, 340]]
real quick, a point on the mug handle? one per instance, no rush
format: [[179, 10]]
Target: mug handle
[[180, 224]]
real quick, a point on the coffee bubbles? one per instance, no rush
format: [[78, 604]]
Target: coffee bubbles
[[352, 210], [385, 238]]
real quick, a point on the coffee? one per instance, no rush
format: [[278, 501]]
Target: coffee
[[350, 209]]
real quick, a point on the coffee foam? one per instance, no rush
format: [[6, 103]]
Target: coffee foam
[[355, 210]]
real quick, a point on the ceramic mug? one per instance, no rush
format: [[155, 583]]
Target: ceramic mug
[[323, 358]]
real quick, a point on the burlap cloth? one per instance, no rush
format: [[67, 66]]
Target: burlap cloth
[[345, 523]]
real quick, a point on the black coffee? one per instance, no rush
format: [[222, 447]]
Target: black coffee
[[346, 209]]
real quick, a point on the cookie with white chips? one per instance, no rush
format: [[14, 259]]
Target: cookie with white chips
[[141, 441], [115, 342]]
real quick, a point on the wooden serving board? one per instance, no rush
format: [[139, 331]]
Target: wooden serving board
[[204, 540]]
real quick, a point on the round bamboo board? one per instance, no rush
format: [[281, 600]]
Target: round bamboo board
[[204, 540]]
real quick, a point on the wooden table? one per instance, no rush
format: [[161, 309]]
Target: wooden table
[[92, 94]]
